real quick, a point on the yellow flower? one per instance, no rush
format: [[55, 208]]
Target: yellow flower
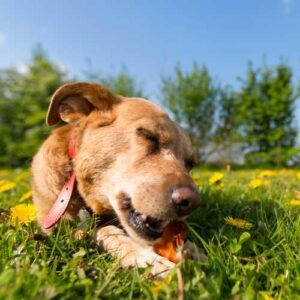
[[298, 175], [216, 178], [295, 202], [6, 185], [159, 285], [266, 296], [197, 179], [157, 288], [26, 196], [4, 173], [23, 213], [238, 223], [255, 183], [22, 175], [256, 200], [284, 172], [266, 173]]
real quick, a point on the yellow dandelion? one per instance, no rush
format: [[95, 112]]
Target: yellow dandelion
[[255, 200], [255, 183], [4, 173], [216, 178], [26, 196], [298, 175], [157, 288], [6, 185], [197, 179], [22, 175], [295, 202], [266, 173], [159, 285], [266, 296], [238, 223], [284, 172], [23, 213]]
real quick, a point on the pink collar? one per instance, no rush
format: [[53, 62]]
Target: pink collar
[[64, 197]]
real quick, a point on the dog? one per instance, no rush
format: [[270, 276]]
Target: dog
[[131, 160]]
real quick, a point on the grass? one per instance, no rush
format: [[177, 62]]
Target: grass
[[261, 260]]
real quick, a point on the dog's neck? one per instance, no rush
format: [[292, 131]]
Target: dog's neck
[[64, 197]]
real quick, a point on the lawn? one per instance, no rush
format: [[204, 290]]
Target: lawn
[[248, 226]]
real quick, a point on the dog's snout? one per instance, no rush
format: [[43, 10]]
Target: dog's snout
[[185, 199]]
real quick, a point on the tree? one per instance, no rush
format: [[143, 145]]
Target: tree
[[24, 99], [266, 105], [122, 84], [192, 98], [227, 135]]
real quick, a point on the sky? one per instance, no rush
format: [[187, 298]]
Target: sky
[[150, 37]]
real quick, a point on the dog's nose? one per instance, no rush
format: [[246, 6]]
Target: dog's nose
[[185, 200]]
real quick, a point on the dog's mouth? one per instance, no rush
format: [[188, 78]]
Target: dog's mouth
[[147, 227]]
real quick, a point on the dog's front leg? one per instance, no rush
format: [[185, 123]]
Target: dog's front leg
[[115, 241]]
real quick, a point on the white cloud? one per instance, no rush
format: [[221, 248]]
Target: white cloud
[[62, 67], [22, 68], [2, 39], [287, 5]]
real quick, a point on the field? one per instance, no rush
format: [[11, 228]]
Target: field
[[248, 226]]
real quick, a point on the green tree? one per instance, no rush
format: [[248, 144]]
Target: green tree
[[122, 84], [266, 106], [192, 99], [24, 98], [227, 134]]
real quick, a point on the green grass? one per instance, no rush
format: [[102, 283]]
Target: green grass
[[261, 264]]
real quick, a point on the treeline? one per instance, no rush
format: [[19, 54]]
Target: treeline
[[253, 124]]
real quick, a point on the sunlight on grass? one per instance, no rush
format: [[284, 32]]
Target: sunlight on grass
[[248, 226]]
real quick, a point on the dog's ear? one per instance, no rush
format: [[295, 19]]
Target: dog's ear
[[72, 101]]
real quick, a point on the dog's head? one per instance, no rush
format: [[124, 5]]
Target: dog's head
[[129, 156]]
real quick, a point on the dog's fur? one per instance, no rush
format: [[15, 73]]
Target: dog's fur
[[127, 150]]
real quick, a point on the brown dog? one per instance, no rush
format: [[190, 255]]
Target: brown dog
[[131, 160]]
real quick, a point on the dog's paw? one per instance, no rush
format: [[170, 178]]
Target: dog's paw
[[131, 253], [144, 257]]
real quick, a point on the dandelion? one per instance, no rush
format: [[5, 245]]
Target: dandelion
[[6, 185], [216, 178], [159, 285], [4, 173], [266, 296], [255, 183], [22, 175], [266, 173], [255, 200], [26, 196], [157, 288], [284, 172], [23, 213], [238, 223], [298, 175], [197, 179], [295, 202]]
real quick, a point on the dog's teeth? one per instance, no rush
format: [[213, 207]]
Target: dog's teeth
[[144, 217]]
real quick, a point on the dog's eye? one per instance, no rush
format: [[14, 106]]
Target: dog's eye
[[151, 137], [189, 164]]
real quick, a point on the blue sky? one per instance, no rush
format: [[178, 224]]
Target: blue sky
[[150, 37]]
